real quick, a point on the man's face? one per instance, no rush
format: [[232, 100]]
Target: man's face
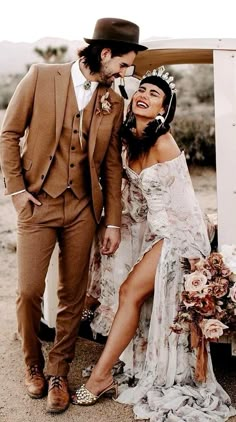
[[114, 67]]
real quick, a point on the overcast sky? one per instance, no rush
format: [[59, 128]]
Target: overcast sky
[[30, 20]]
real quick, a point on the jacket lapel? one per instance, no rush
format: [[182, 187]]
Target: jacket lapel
[[62, 79], [96, 118]]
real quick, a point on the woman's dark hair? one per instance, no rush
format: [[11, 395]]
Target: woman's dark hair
[[136, 146], [92, 53]]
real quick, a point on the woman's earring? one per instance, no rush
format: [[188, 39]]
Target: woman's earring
[[160, 118]]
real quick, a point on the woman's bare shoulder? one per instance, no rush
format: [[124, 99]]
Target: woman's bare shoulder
[[166, 148]]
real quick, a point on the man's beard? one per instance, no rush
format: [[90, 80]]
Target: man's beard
[[108, 80], [107, 83]]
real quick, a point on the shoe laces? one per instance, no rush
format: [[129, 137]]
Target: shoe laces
[[56, 382], [35, 371]]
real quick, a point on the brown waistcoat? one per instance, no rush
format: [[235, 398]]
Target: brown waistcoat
[[70, 161]]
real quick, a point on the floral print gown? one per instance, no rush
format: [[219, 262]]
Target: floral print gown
[[159, 203]]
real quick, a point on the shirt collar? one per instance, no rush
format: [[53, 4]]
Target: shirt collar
[[78, 77]]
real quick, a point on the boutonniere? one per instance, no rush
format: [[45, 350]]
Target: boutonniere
[[104, 106]]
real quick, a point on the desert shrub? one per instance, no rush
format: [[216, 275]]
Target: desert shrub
[[194, 124], [8, 84], [195, 134], [5, 96], [195, 84], [202, 80]]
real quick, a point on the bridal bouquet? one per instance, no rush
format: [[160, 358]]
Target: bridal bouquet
[[207, 306]]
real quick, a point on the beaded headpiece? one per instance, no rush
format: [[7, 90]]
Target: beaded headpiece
[[160, 71]]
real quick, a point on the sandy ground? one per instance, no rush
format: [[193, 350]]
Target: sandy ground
[[15, 405]]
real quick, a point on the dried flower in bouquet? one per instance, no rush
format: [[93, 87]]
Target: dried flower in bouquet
[[207, 306]]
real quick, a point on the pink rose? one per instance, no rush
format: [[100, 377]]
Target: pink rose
[[195, 282], [212, 328]]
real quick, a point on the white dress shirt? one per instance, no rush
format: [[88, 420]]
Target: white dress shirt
[[83, 96]]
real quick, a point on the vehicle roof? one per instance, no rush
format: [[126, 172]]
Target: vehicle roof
[[180, 51]]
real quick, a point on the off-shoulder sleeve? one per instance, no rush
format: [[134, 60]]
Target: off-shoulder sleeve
[[173, 209]]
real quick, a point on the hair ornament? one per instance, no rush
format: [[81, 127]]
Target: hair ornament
[[160, 72]]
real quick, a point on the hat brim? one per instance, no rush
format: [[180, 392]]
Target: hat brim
[[138, 47]]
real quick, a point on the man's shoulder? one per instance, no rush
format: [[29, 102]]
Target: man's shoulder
[[51, 67]]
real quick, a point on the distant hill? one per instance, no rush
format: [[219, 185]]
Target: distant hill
[[14, 57]]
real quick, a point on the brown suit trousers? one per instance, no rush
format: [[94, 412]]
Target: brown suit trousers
[[39, 227]]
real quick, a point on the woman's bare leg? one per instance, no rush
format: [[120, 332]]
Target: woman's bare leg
[[137, 287]]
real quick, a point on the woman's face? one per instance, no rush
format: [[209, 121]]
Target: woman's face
[[148, 101]]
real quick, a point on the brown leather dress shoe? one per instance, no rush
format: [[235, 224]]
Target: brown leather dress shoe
[[35, 382], [58, 395]]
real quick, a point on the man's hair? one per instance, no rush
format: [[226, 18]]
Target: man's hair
[[92, 53]]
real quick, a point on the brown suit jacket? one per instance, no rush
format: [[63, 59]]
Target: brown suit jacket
[[36, 111]]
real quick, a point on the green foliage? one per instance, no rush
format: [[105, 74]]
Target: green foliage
[[8, 84], [52, 54], [202, 80], [194, 132], [194, 125]]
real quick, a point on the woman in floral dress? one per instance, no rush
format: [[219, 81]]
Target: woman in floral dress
[[140, 285]]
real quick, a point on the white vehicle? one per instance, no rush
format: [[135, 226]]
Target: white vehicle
[[222, 54]]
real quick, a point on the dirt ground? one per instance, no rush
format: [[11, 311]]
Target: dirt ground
[[15, 405]]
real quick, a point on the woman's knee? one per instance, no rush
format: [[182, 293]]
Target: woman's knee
[[128, 294]]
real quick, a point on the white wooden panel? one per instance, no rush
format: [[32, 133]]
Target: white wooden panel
[[50, 300], [225, 125], [191, 43]]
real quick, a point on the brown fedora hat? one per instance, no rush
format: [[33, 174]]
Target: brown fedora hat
[[117, 30]]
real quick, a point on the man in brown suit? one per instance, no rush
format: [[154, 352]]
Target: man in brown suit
[[68, 170]]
